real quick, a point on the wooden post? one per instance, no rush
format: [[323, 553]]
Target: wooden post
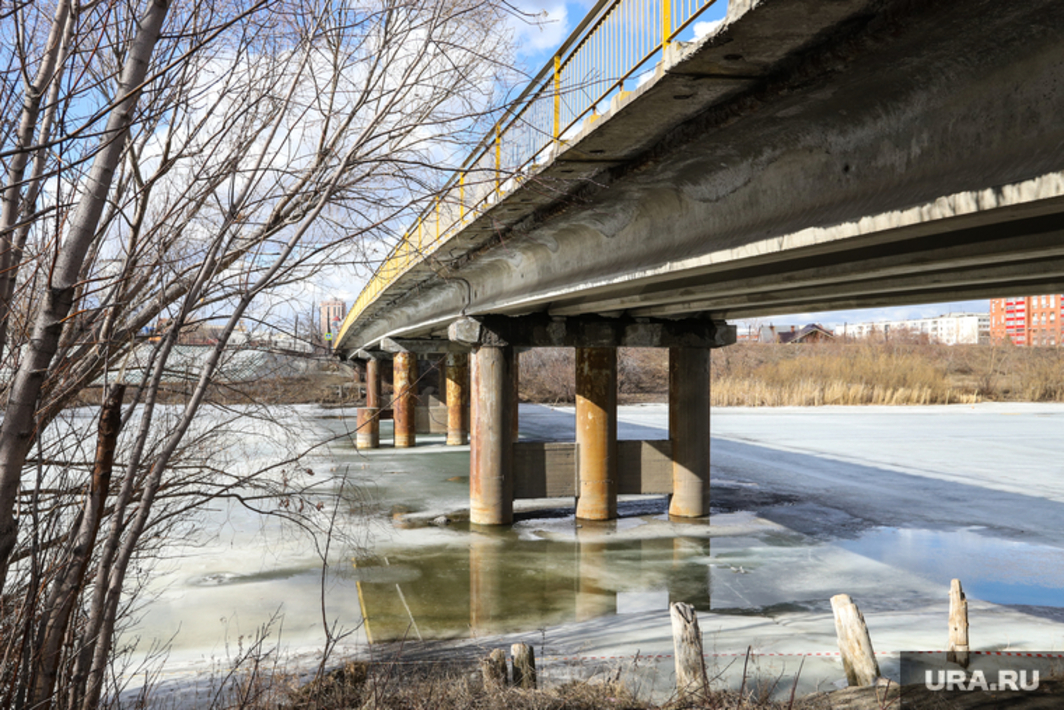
[[691, 679], [493, 669], [957, 651], [524, 659], [858, 658]]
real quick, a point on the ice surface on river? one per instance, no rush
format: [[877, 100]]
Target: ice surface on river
[[882, 503]]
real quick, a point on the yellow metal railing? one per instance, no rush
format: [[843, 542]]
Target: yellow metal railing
[[613, 42]]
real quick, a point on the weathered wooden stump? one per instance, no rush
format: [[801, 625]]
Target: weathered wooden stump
[[524, 659], [957, 651], [493, 669], [858, 657], [687, 642]]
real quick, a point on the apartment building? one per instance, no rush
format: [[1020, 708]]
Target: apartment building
[[332, 315], [1028, 320], [948, 329]]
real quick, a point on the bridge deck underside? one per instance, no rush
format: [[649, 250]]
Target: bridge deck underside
[[848, 154]]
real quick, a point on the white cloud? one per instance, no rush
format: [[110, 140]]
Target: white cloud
[[706, 28], [541, 29]]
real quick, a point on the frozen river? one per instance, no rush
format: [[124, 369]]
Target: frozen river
[[886, 504]]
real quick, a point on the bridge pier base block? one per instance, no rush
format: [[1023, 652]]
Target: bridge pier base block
[[457, 394], [689, 431], [491, 500], [404, 381], [596, 433]]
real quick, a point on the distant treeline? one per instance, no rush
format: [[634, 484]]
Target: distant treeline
[[895, 372]]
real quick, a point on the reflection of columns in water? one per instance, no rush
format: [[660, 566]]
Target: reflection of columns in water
[[595, 596], [689, 580], [486, 582], [404, 412]]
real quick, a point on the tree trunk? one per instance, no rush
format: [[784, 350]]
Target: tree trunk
[[17, 430], [67, 587]]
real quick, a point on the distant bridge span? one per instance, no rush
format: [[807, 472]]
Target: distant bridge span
[[808, 155]]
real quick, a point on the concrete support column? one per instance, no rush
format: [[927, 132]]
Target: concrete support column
[[368, 434], [404, 398], [689, 431], [596, 433], [457, 395], [373, 383], [491, 486]]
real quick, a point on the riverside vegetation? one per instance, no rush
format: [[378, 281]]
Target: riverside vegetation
[[898, 372]]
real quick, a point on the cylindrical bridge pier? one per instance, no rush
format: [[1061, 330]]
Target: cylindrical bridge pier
[[689, 431], [404, 382], [368, 433], [596, 433], [491, 448], [457, 396]]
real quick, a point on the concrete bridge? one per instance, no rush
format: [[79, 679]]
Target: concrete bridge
[[806, 155]]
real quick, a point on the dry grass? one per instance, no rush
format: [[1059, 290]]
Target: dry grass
[[388, 686], [896, 372]]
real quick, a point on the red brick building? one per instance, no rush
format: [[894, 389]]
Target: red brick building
[[1028, 320]]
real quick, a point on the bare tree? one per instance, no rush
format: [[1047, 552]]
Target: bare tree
[[167, 163]]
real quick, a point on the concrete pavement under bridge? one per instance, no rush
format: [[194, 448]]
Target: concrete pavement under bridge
[[807, 155]]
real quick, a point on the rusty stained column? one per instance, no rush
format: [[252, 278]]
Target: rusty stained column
[[457, 395], [491, 486], [596, 433], [689, 431], [373, 383], [368, 433], [405, 399]]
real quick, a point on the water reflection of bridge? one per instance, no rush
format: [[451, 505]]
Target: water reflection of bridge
[[505, 582]]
